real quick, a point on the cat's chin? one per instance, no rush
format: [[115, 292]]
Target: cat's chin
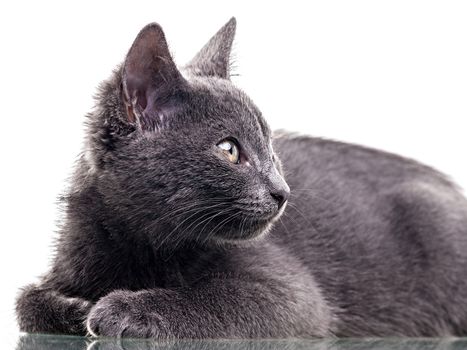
[[259, 228], [257, 231], [252, 236]]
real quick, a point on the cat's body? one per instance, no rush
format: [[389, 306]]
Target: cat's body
[[383, 236], [370, 244]]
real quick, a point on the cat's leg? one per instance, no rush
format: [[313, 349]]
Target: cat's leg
[[41, 310], [218, 308]]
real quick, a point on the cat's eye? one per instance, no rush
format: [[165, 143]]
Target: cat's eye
[[230, 150]]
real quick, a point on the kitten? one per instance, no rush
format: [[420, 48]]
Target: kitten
[[171, 227]]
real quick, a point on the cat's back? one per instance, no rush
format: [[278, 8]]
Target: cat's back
[[301, 153]]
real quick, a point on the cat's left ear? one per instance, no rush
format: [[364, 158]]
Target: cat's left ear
[[214, 57], [152, 84]]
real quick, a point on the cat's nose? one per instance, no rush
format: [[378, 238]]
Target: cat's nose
[[281, 195], [278, 188]]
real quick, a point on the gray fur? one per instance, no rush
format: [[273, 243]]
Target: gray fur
[[164, 238]]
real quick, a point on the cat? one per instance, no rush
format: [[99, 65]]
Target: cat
[[187, 217]]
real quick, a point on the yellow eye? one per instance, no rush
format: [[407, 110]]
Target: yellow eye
[[230, 149]]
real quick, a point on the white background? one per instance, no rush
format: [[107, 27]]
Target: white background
[[387, 74]]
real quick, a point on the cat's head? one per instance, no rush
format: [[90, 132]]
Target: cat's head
[[181, 154]]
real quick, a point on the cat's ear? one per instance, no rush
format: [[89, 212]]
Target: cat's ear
[[151, 81], [214, 57]]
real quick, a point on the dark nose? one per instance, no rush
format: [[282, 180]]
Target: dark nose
[[281, 196]]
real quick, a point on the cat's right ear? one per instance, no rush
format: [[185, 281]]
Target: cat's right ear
[[151, 81], [213, 60]]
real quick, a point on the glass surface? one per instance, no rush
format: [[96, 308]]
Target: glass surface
[[56, 342]]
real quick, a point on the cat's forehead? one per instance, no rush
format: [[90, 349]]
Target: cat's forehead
[[224, 101]]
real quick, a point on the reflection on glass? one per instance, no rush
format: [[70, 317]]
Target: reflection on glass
[[59, 342]]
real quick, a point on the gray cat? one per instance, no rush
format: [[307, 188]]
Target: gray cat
[[173, 225]]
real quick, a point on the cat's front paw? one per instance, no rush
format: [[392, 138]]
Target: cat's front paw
[[43, 310], [126, 314]]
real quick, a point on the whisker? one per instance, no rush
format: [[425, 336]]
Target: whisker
[[209, 221], [183, 237], [285, 227], [293, 206], [175, 214], [309, 222], [222, 223], [185, 220], [207, 217], [242, 226], [308, 191], [197, 204]]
